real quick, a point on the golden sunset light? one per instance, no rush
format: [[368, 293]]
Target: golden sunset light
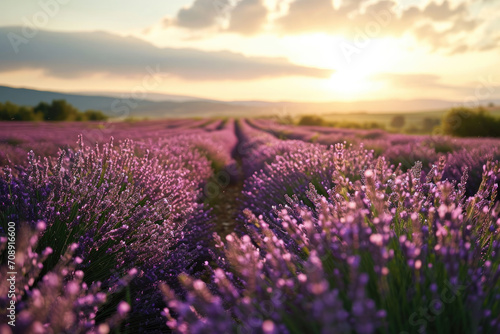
[[250, 166], [347, 47]]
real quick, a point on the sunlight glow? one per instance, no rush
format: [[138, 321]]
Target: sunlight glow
[[349, 83], [352, 78]]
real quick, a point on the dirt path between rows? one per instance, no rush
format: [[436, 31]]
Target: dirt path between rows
[[226, 206], [226, 209]]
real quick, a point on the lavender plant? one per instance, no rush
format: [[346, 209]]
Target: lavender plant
[[125, 206], [58, 301], [389, 252]]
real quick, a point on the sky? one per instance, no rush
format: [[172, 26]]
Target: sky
[[276, 50]]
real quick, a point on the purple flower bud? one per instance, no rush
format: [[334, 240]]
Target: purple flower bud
[[123, 308]]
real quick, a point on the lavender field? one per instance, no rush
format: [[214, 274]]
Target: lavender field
[[246, 226]]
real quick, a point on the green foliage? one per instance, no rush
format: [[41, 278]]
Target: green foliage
[[95, 115], [356, 125], [58, 110], [311, 120], [398, 121], [12, 112], [132, 119], [428, 123], [465, 122]]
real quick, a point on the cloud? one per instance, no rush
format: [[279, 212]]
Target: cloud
[[201, 14], [408, 79], [417, 81], [443, 12], [245, 17], [310, 16], [248, 17], [438, 24], [492, 44], [321, 16], [73, 55], [427, 33], [305, 16], [459, 49]]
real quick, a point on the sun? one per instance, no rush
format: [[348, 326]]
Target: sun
[[350, 83], [356, 78]]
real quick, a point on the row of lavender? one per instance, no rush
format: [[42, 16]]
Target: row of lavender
[[331, 239], [99, 227], [339, 240], [45, 138], [460, 154]]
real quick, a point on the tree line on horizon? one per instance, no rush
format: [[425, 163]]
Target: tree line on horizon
[[457, 122], [57, 110]]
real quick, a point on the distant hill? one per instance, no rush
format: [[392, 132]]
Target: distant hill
[[165, 105], [31, 97], [158, 97]]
